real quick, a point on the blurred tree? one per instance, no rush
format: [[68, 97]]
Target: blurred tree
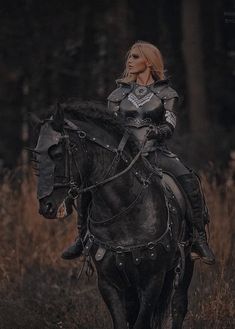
[[54, 50], [195, 70]]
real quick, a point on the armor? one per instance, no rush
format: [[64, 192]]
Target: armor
[[154, 106], [144, 106], [48, 138]]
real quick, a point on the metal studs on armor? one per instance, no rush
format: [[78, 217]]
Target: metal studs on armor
[[141, 90]]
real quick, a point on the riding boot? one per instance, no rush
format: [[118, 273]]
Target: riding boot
[[76, 249], [200, 248]]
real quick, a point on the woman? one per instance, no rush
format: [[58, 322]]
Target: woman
[[145, 99]]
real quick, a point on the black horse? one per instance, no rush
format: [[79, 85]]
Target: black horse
[[135, 231]]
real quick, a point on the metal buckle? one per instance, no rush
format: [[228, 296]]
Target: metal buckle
[[119, 249], [146, 182], [151, 245], [82, 134], [73, 192]]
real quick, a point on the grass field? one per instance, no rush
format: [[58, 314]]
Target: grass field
[[38, 290]]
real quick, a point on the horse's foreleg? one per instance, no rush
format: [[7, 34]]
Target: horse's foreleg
[[179, 305], [149, 298], [132, 306], [113, 298]]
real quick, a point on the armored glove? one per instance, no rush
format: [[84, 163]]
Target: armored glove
[[160, 132]]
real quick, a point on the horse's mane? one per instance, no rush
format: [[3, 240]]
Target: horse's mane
[[96, 113]]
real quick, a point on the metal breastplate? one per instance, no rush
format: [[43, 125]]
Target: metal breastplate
[[142, 108]]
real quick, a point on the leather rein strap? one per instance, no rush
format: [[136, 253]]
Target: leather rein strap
[[75, 190]]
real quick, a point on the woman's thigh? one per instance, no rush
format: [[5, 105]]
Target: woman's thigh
[[171, 164]]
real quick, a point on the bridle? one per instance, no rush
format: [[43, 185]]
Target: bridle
[[74, 190]]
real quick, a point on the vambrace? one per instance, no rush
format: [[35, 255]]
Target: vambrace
[[161, 132], [166, 128], [164, 131]]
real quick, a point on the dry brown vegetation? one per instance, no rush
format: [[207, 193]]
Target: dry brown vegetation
[[39, 290]]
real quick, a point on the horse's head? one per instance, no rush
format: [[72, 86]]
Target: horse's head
[[54, 168], [74, 152]]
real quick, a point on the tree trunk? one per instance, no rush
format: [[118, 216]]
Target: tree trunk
[[195, 71]]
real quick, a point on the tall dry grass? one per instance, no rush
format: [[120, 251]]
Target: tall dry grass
[[40, 290]]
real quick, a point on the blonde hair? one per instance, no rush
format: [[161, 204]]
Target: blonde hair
[[153, 56]]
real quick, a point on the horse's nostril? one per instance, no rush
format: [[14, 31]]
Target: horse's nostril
[[49, 207], [51, 211]]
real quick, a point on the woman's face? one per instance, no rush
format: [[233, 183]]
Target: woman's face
[[136, 62]]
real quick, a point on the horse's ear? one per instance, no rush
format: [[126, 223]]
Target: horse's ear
[[34, 119], [58, 118]]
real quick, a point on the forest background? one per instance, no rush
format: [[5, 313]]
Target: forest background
[[54, 50]]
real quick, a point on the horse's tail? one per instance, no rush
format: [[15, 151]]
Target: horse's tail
[[162, 308]]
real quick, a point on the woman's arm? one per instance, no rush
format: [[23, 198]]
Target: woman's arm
[[166, 128]]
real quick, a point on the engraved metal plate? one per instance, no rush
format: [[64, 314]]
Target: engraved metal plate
[[141, 90], [139, 101], [101, 251]]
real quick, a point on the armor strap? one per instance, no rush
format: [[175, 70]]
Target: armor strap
[[123, 141]]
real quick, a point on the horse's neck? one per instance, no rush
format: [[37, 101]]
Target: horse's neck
[[100, 163], [147, 212], [138, 219]]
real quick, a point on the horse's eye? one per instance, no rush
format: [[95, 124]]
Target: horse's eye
[[56, 152]]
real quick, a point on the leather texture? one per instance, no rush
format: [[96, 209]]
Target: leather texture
[[144, 106]]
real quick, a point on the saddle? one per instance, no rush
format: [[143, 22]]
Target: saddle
[[175, 192]]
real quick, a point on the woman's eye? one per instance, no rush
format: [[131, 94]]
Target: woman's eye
[[135, 56]]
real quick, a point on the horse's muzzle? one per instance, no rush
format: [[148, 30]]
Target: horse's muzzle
[[47, 209], [51, 210]]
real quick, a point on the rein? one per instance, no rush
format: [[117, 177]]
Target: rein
[[74, 190]]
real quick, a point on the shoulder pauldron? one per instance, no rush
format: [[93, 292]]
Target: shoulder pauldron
[[164, 92], [119, 94]]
